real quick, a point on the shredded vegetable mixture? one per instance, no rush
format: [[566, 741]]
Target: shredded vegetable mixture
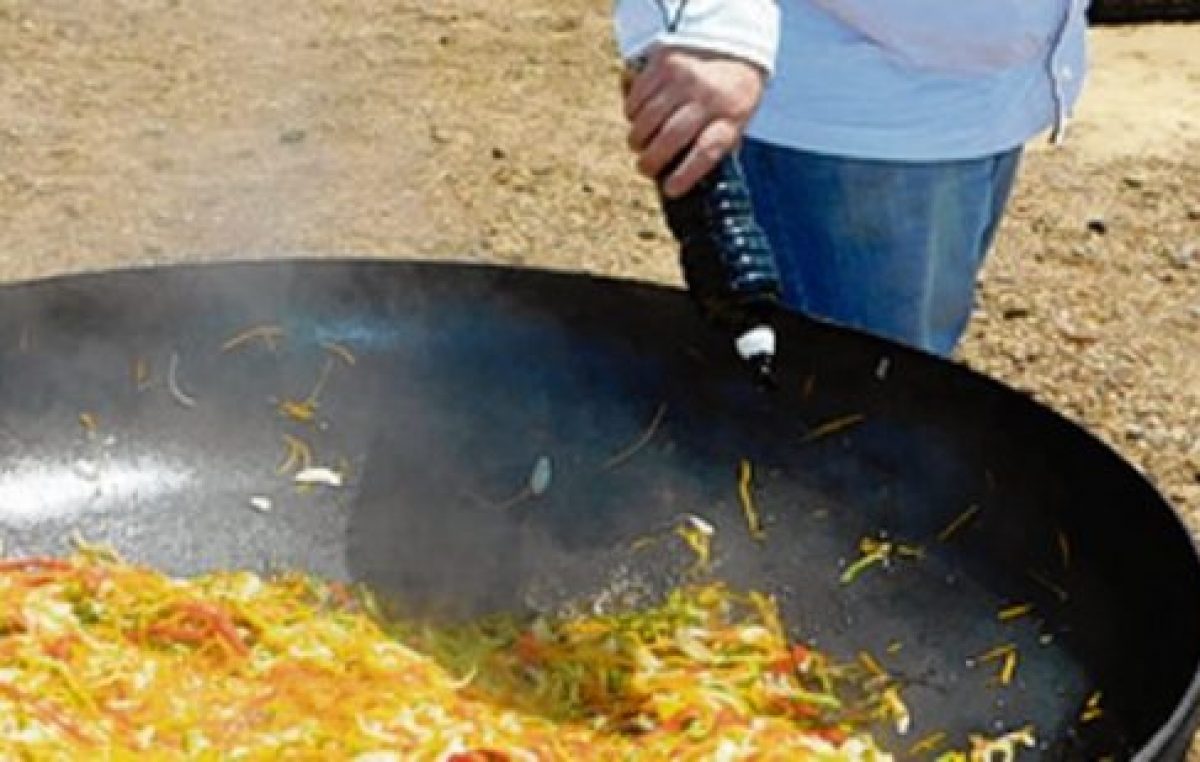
[[103, 659]]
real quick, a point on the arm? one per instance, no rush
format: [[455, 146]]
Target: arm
[[701, 84]]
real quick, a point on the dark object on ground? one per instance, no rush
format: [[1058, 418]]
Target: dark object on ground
[[1136, 11]]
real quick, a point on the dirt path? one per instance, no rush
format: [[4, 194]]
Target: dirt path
[[1143, 97], [166, 131]]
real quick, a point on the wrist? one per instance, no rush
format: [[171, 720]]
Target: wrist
[[744, 29]]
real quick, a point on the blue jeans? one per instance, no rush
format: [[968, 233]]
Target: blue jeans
[[892, 248]]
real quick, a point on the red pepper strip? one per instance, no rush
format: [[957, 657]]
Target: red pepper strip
[[198, 624], [13, 623], [340, 594], [479, 755], [679, 721], [800, 654], [802, 710], [220, 622], [34, 563], [528, 649], [835, 736], [728, 718], [92, 578], [32, 579], [178, 633], [8, 646], [60, 648], [46, 712]]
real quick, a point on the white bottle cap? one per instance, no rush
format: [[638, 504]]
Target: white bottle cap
[[756, 342]]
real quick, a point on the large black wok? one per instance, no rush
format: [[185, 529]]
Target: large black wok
[[468, 376]]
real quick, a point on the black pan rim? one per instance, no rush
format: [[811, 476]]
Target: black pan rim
[[1184, 712]]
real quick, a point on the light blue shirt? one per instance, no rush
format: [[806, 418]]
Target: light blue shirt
[[907, 80]]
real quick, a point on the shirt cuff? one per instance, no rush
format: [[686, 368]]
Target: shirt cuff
[[746, 29]]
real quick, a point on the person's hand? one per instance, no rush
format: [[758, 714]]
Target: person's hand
[[689, 98]]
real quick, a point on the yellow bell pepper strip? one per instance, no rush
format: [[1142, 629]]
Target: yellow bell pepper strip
[[697, 534], [298, 455], [959, 523], [1092, 710], [1014, 612], [305, 410], [875, 553], [746, 497], [269, 334], [928, 745], [836, 426]]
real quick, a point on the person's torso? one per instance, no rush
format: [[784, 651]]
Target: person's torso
[[921, 79]]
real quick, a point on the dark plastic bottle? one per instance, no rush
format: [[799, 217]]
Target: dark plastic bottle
[[728, 264]]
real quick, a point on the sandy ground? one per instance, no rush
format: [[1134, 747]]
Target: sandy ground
[[1143, 98], [1106, 328], [143, 131]]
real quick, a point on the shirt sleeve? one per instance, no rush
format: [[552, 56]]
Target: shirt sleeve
[[746, 29]]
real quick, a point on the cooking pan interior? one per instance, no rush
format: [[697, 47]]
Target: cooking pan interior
[[445, 388]]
